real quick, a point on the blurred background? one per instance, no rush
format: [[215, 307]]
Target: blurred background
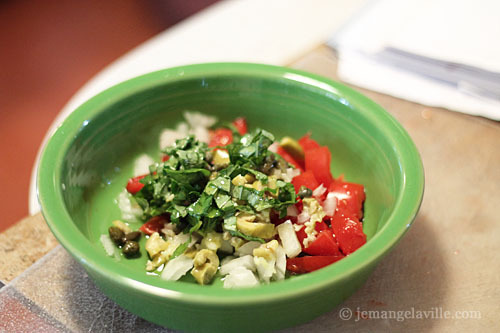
[[48, 50]]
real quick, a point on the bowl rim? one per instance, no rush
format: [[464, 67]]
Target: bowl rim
[[59, 221]]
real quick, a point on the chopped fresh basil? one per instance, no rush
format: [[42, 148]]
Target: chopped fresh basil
[[223, 183], [183, 187]]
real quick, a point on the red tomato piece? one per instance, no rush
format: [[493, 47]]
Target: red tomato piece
[[299, 205], [165, 158], [300, 265], [306, 179], [155, 224], [241, 125], [307, 143], [350, 198], [301, 233], [320, 226], [134, 185], [318, 161], [324, 245], [221, 137], [287, 157], [348, 233]]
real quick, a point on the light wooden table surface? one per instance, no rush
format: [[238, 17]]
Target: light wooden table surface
[[447, 265]]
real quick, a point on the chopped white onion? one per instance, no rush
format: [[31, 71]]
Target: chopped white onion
[[201, 134], [108, 245], [176, 268], [182, 238], [169, 230], [318, 191], [280, 264], [141, 165], [247, 248], [292, 173], [196, 123], [131, 211], [266, 267], [289, 174], [240, 278], [289, 239], [245, 261], [197, 119], [292, 211], [168, 137], [303, 217], [182, 129], [274, 147], [330, 204]]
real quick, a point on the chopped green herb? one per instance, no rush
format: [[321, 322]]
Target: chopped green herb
[[181, 186]]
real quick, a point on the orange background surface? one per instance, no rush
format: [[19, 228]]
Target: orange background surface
[[48, 50]]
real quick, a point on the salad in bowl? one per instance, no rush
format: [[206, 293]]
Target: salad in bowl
[[223, 201]]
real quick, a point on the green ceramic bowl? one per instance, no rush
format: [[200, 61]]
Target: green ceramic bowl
[[88, 159]]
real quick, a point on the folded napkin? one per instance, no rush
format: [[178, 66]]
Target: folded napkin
[[441, 53]]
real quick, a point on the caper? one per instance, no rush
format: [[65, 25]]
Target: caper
[[130, 249], [132, 236], [282, 165], [305, 192], [117, 235], [269, 163], [266, 167], [270, 158]]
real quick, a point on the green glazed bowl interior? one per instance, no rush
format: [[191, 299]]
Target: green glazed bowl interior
[[89, 158]]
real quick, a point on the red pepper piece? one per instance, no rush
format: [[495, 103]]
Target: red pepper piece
[[287, 157], [155, 224], [307, 143], [300, 265], [241, 125], [221, 137], [306, 179], [324, 245], [348, 232], [318, 161], [134, 185], [350, 198]]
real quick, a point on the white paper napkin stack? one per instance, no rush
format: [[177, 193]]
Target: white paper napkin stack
[[443, 53]]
